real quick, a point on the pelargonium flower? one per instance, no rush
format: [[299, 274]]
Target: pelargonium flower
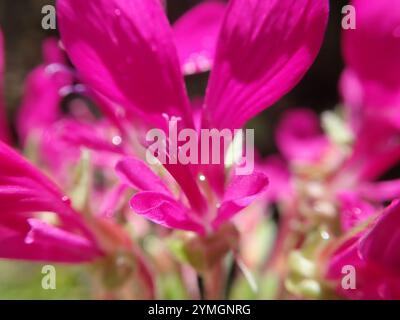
[[126, 54]]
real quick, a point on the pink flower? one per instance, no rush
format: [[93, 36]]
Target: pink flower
[[158, 203], [25, 195], [374, 253], [371, 83], [125, 53]]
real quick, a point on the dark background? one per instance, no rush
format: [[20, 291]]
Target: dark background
[[21, 24]]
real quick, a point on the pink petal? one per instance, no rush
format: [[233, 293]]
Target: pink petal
[[41, 103], [95, 136], [124, 51], [32, 239], [374, 54], [24, 190], [52, 53], [381, 245], [369, 82], [4, 130], [61, 145], [299, 136], [381, 191], [138, 175], [277, 171], [187, 180], [196, 34], [265, 48], [240, 193], [112, 201], [373, 252], [346, 254], [353, 210], [366, 98], [164, 210], [377, 148]]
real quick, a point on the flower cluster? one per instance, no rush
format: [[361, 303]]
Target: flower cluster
[[81, 191]]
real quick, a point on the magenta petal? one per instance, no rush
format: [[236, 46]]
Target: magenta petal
[[124, 51], [265, 48], [52, 53], [381, 245], [277, 171], [138, 175], [41, 104], [4, 133], [346, 254], [369, 84], [164, 210], [112, 200], [24, 191], [373, 281], [196, 34], [381, 191], [364, 98], [376, 149], [299, 136], [240, 193], [95, 136], [374, 54], [32, 239], [353, 210]]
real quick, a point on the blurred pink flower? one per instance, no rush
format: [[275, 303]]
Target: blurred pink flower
[[370, 87], [195, 35], [25, 194], [299, 136], [41, 104], [300, 141], [374, 253], [371, 83]]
